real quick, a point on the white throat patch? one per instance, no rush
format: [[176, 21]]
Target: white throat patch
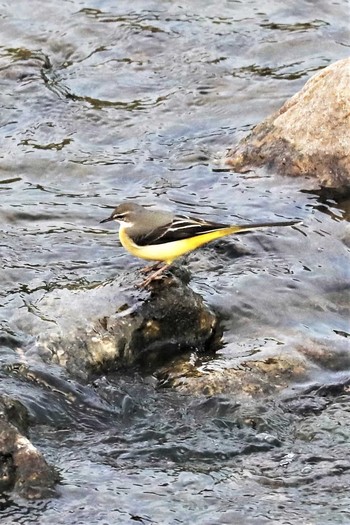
[[124, 224]]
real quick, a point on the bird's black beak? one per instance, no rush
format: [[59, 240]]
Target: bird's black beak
[[107, 220]]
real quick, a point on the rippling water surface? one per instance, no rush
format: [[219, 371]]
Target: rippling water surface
[[105, 101]]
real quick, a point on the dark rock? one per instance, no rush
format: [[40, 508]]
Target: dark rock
[[309, 135], [22, 467], [171, 321]]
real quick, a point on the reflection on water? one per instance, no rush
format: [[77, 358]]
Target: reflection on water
[[104, 102]]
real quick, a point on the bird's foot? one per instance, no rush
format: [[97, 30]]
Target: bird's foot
[[155, 276], [150, 268]]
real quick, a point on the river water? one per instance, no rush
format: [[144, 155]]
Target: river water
[[105, 101]]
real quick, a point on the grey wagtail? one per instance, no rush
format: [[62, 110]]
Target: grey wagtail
[[158, 235]]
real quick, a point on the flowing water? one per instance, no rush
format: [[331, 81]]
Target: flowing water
[[104, 101]]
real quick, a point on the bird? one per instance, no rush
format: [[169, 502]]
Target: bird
[[163, 236]]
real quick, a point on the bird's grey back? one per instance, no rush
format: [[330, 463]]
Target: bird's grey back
[[148, 222]]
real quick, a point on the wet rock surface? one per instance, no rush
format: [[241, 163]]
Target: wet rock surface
[[23, 469], [308, 136], [165, 322]]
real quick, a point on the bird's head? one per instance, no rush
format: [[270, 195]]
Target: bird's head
[[125, 214]]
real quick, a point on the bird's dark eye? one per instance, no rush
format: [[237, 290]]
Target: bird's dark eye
[[119, 216]]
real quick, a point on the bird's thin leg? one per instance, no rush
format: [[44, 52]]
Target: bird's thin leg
[[150, 267], [154, 276]]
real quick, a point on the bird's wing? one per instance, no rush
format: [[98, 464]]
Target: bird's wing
[[181, 227]]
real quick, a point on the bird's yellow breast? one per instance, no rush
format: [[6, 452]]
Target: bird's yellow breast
[[169, 251]]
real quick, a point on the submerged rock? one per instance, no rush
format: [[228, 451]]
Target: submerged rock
[[171, 321], [22, 467], [269, 370], [253, 377], [309, 135]]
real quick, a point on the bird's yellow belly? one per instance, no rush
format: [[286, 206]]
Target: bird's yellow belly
[[169, 251]]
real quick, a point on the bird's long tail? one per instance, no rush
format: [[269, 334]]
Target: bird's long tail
[[203, 238], [236, 228]]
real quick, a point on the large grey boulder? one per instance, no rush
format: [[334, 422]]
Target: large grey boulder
[[309, 135]]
